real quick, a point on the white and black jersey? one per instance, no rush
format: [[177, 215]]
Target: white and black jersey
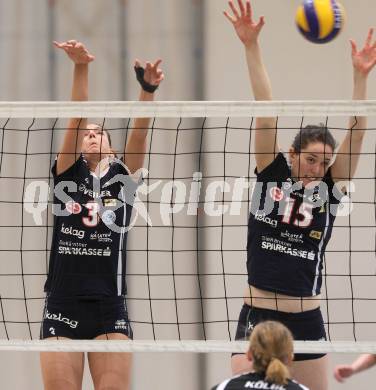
[[255, 381], [289, 228], [90, 231]]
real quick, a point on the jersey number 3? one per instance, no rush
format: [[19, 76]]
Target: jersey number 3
[[93, 218]]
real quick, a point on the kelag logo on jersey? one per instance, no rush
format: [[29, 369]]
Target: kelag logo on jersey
[[259, 216], [59, 317], [70, 231]]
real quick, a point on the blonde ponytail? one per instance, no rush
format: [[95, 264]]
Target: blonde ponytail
[[277, 372]]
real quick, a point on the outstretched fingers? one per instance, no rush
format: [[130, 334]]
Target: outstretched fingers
[[160, 77], [137, 63], [61, 45], [79, 46], [157, 63], [245, 11], [57, 44], [152, 73], [354, 49], [229, 17], [234, 10], [148, 67], [260, 23], [75, 50], [369, 37], [248, 9], [148, 64], [241, 8], [158, 73]]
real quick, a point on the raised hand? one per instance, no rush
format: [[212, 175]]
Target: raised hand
[[365, 59], [76, 51], [152, 74], [241, 19]]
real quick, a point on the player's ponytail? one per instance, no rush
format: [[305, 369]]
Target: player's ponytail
[[271, 347], [277, 372]]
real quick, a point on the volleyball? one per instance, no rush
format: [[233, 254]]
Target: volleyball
[[320, 21]]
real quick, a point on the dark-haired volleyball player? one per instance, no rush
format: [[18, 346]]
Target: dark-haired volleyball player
[[292, 215], [271, 351], [86, 281]]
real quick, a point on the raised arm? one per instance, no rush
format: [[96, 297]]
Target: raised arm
[[135, 149], [71, 148], [348, 154], [248, 31]]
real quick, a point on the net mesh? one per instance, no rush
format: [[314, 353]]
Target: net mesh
[[186, 252]]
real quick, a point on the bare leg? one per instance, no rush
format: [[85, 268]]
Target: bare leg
[[62, 370], [110, 370], [312, 373]]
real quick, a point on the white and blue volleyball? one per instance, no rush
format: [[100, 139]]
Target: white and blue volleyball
[[320, 21]]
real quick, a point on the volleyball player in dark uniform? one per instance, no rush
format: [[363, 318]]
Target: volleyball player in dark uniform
[[93, 200], [293, 209], [271, 351]]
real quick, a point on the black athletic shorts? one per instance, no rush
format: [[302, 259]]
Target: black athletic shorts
[[84, 318], [306, 325]]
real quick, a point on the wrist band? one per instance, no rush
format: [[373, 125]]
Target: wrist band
[[147, 87]]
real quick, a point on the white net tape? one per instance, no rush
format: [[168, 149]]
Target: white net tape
[[188, 109], [192, 346]]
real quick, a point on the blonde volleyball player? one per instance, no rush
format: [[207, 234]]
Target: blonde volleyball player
[[286, 243], [271, 351], [86, 280]]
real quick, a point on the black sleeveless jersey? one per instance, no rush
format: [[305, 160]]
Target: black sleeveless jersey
[[289, 228], [255, 381], [91, 218]]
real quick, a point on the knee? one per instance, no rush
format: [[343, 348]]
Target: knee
[[60, 385], [113, 387]]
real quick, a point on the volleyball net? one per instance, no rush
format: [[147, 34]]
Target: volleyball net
[[186, 251]]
